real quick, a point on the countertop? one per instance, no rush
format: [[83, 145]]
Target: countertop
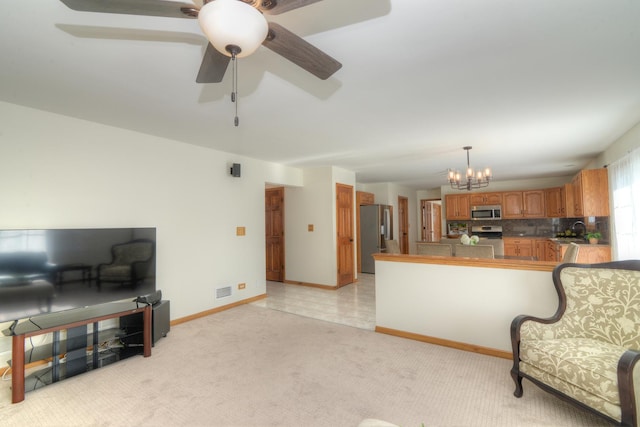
[[559, 240]]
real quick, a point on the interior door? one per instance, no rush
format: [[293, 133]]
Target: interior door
[[431, 219], [403, 224], [274, 233], [345, 234]]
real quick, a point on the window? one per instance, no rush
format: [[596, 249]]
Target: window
[[624, 176], [22, 241]]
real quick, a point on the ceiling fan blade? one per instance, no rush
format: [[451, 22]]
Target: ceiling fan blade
[[163, 8], [276, 7], [297, 50], [214, 65]]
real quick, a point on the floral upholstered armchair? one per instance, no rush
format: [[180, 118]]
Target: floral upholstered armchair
[[588, 352], [129, 263]]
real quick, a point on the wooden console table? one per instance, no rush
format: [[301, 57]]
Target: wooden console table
[[55, 322]]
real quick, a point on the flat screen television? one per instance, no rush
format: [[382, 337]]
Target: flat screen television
[[44, 271]]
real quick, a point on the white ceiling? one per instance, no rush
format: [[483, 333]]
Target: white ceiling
[[537, 87]]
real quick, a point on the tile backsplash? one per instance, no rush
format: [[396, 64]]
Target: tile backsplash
[[544, 227]]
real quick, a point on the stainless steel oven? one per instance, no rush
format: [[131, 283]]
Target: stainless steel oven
[[487, 231], [486, 212]]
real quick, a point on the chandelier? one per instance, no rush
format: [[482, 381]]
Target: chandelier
[[472, 179]]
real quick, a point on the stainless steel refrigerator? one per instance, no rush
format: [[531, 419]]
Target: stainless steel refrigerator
[[375, 228]]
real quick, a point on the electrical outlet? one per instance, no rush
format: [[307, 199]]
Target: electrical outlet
[[242, 285]]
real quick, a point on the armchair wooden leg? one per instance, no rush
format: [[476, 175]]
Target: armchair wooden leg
[[518, 380]]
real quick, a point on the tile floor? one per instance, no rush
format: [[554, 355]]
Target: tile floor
[[352, 305]]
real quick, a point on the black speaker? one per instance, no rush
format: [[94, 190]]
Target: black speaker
[[235, 170], [133, 324]]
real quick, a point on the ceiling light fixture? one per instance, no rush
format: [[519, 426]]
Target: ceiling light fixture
[[472, 180], [235, 29]]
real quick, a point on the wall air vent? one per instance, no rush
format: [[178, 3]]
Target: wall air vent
[[223, 292]]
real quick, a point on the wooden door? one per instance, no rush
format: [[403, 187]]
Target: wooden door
[[274, 233], [345, 234], [436, 215], [403, 224], [431, 220]]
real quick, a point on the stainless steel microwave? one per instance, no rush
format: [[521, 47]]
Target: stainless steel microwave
[[486, 212]]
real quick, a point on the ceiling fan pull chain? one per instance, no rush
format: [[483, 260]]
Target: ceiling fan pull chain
[[234, 90]]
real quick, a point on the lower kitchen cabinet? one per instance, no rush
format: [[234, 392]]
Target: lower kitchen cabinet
[[587, 254], [540, 252], [590, 254], [516, 246]]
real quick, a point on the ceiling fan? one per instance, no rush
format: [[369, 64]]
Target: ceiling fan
[[234, 28]]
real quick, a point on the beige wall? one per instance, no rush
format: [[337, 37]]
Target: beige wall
[[61, 172], [311, 256], [470, 305]]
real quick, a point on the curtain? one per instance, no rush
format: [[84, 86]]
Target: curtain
[[624, 179]]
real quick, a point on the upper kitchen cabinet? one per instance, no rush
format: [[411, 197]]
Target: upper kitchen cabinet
[[555, 202], [591, 193], [568, 201], [559, 202], [484, 199], [457, 206], [523, 204]]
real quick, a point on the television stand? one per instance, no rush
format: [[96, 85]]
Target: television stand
[[68, 320]]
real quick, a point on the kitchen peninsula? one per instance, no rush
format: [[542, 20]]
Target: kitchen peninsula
[[460, 302]]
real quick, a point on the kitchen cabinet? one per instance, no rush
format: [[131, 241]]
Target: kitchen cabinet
[[523, 204], [591, 193], [588, 254], [551, 251], [364, 198], [512, 204], [485, 199], [517, 246], [568, 201], [578, 207], [540, 252], [554, 202], [457, 206]]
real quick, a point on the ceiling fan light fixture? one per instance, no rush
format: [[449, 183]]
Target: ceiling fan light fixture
[[233, 23]]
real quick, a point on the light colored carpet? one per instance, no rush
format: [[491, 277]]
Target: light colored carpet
[[252, 366]]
